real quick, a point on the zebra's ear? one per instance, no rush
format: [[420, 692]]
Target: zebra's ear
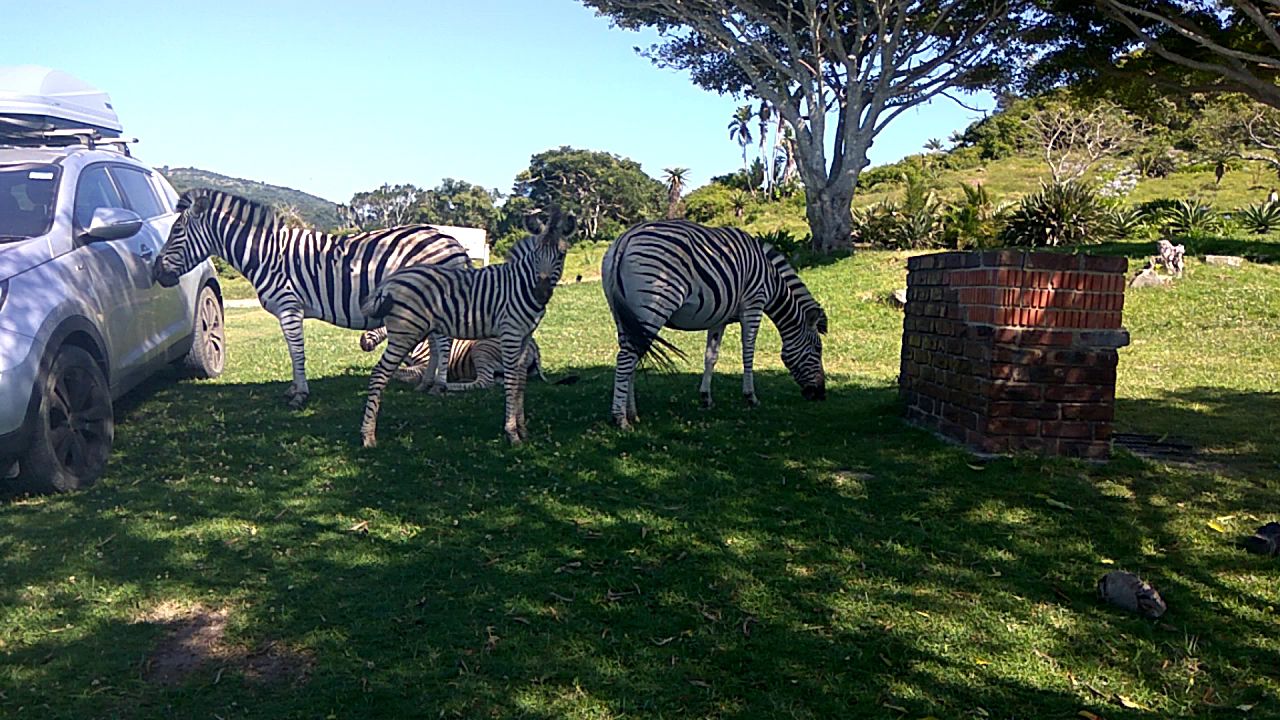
[[200, 204], [568, 224], [817, 317], [534, 223]]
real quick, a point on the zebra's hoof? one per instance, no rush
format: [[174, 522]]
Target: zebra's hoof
[[299, 401], [707, 402], [622, 423], [751, 400], [437, 390], [369, 440]]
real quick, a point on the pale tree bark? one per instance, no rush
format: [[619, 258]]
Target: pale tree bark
[[1262, 129], [856, 64], [1252, 72], [1073, 138]]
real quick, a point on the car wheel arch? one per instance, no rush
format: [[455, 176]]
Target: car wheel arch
[[82, 333]]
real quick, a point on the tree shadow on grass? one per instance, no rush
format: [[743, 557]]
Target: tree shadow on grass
[[800, 559], [1230, 429]]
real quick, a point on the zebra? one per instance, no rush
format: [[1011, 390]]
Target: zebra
[[473, 364], [686, 276], [298, 273], [504, 301]]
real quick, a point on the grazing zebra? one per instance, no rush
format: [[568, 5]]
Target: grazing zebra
[[682, 275], [499, 301], [297, 273]]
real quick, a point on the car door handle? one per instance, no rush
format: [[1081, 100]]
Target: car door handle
[[146, 253]]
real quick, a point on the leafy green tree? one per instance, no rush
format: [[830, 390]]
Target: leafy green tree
[[606, 192], [1216, 46], [858, 63], [457, 202], [387, 206]]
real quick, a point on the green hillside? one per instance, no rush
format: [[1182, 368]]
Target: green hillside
[[314, 211]]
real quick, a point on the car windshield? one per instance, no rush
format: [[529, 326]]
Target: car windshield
[[27, 194]]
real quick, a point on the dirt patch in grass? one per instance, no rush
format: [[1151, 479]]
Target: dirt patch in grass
[[196, 639]]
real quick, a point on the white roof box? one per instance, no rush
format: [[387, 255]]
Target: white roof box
[[35, 99]]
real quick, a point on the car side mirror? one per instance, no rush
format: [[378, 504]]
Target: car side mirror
[[113, 224]]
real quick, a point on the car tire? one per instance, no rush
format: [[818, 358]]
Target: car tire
[[208, 354], [73, 429]]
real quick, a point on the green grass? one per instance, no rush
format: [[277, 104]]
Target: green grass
[[808, 560]]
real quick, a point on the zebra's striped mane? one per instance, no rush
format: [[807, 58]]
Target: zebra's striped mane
[[792, 291], [221, 201]]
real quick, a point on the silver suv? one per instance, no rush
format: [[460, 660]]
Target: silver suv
[[80, 320]]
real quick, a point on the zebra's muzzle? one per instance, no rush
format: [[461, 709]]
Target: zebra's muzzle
[[164, 276], [814, 392]]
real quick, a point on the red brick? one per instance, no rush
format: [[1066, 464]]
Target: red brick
[[1053, 261], [1013, 426], [1068, 429], [1018, 356], [1102, 431], [1079, 393], [1097, 263], [1029, 410], [1015, 391], [1010, 373], [1003, 258]]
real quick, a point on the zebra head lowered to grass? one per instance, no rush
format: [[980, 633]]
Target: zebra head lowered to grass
[[297, 273], [686, 276], [504, 301]]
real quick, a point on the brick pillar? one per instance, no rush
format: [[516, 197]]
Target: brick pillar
[[1010, 350]]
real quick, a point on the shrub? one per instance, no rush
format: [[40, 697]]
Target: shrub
[[1125, 221], [1058, 214], [784, 242], [709, 202], [973, 222], [1260, 219], [1153, 211], [1191, 217]]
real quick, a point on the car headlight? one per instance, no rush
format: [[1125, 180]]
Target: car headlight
[[4, 292]]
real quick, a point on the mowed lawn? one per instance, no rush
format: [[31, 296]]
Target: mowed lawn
[[806, 560]]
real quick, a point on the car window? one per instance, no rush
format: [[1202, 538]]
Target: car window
[[27, 193], [138, 192], [94, 191]]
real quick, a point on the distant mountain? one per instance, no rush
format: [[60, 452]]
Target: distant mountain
[[314, 211]]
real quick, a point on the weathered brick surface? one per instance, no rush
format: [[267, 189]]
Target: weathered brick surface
[[1006, 350]]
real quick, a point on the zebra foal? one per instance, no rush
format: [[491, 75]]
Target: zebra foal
[[686, 276], [298, 273], [504, 301]]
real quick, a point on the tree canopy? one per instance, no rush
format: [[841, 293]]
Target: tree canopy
[[860, 63], [606, 192], [1185, 46]]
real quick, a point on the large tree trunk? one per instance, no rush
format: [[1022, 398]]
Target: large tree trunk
[[830, 220]]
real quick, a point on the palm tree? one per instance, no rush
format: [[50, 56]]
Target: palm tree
[[740, 130], [676, 178], [763, 115]]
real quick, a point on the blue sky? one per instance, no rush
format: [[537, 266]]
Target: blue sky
[[337, 97]]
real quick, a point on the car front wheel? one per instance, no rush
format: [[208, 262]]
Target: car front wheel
[[209, 346], [73, 429]]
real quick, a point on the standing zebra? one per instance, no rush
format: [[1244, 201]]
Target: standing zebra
[[682, 275], [297, 273], [504, 301]]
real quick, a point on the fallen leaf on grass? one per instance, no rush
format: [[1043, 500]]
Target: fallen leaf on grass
[[1244, 708], [1058, 504], [980, 661], [1217, 526], [976, 467], [662, 641], [1088, 715], [700, 683], [360, 527], [1131, 704]]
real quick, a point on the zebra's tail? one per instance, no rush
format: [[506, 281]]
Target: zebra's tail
[[647, 344]]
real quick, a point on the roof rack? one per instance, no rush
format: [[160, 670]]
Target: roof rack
[[91, 138]]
